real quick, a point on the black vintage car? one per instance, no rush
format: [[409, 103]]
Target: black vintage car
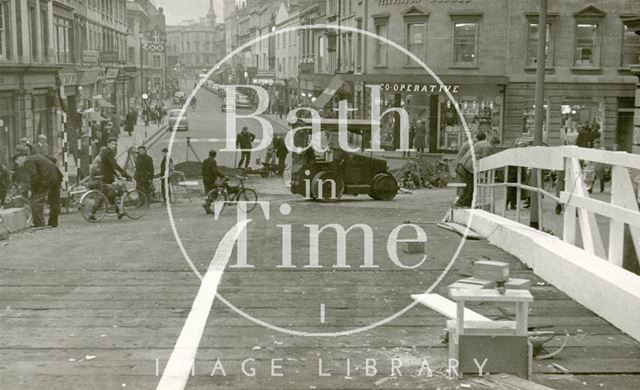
[[330, 175]]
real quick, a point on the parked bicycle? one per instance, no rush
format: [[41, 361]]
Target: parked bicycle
[[226, 194], [17, 197], [94, 205]]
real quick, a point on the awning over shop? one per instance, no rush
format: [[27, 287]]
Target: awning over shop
[[92, 116], [328, 92], [104, 104]]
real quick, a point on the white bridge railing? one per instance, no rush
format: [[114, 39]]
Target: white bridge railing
[[580, 208]]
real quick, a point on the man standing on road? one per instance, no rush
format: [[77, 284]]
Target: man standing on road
[[281, 152], [165, 173], [465, 168], [244, 142], [45, 179], [144, 172], [210, 173]]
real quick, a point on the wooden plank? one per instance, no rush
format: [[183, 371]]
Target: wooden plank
[[491, 295], [622, 159], [609, 210], [446, 307]]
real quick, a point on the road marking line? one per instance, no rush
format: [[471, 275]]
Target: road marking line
[[322, 313], [181, 362]]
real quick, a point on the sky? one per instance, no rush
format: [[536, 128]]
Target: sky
[[176, 11]]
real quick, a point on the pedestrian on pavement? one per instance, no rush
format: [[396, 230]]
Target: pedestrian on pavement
[[45, 179], [210, 173], [463, 150], [4, 184], [244, 142], [144, 172], [85, 157], [24, 141], [465, 168], [193, 103], [41, 145], [281, 153], [165, 174], [420, 136], [129, 123]]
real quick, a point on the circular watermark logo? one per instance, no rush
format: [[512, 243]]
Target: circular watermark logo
[[286, 209]]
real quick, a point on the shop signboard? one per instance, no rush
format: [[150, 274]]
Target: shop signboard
[[109, 56], [418, 88], [90, 57], [69, 78]]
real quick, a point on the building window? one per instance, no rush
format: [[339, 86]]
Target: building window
[[3, 34], [381, 47], [156, 61], [63, 40], [465, 43], [132, 55], [630, 47], [320, 56], [416, 40], [532, 45], [587, 49]]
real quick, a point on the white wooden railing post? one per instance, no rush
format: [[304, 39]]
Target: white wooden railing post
[[506, 191], [518, 192], [539, 196], [569, 223]]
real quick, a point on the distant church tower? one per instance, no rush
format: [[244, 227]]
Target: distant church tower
[[211, 15]]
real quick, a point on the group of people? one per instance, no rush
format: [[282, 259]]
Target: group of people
[[277, 149]]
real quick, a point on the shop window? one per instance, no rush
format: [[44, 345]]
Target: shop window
[[381, 28], [465, 43], [481, 113], [587, 45], [416, 33], [630, 46], [580, 115], [532, 44]]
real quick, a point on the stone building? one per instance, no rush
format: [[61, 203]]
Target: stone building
[[195, 46], [50, 49], [147, 50]]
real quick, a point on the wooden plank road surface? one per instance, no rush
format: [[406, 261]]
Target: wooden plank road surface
[[101, 306]]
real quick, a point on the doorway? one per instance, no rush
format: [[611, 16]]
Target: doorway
[[624, 131]]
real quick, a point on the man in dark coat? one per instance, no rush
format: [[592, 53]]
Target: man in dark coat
[[244, 141], [165, 174], [210, 173], [45, 179], [281, 152], [465, 168], [144, 172], [109, 165]]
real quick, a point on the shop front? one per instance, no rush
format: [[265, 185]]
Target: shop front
[[432, 114], [600, 110], [27, 112]]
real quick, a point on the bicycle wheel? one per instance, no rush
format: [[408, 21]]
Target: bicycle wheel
[[93, 206], [218, 199], [134, 204], [247, 199]]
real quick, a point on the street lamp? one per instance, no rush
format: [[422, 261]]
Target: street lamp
[[142, 89]]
